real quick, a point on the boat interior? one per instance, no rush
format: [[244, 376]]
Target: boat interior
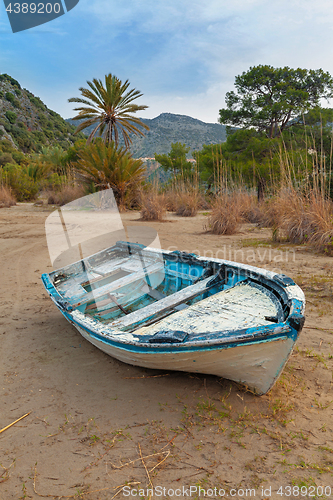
[[131, 287]]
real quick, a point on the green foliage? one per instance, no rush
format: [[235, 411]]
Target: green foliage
[[247, 157], [18, 157], [37, 102], [39, 136], [175, 161], [42, 119], [1, 94], [48, 133], [54, 158], [106, 166], [6, 146], [269, 99], [5, 158], [4, 77], [11, 116], [13, 155], [72, 153], [23, 186], [22, 138], [11, 98], [110, 109]]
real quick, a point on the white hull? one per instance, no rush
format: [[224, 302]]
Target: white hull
[[256, 365]]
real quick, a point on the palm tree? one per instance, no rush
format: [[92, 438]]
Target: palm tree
[[107, 166], [110, 109]]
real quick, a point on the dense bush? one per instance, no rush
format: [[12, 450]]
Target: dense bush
[[6, 146], [22, 138], [22, 185], [5, 158], [39, 136], [37, 102], [48, 133], [11, 116], [108, 166], [11, 98]]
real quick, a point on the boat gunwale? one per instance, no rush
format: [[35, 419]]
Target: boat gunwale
[[268, 333]]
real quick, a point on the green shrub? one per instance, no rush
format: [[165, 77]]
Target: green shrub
[[8, 126], [49, 134], [37, 102], [40, 136], [1, 94], [42, 120], [18, 156], [4, 77], [6, 146], [5, 158], [11, 116], [11, 98], [22, 138], [23, 187]]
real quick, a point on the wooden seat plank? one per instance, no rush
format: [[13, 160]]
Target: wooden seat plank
[[162, 305]]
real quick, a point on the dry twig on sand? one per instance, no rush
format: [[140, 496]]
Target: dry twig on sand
[[10, 425]]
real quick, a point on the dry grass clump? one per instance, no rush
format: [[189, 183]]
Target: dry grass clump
[[170, 197], [226, 215], [65, 195], [230, 210], [153, 205], [187, 202], [250, 209], [321, 220], [6, 197], [185, 199], [301, 218]]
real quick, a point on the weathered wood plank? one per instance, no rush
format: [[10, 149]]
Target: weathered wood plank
[[162, 305], [116, 285], [155, 294]]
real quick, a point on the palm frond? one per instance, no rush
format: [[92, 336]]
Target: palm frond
[[111, 107]]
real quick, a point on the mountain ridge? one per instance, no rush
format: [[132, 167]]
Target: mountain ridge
[[168, 128], [27, 122]]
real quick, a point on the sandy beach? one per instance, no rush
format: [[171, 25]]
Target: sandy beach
[[97, 428]]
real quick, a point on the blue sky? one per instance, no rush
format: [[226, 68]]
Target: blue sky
[[183, 55]]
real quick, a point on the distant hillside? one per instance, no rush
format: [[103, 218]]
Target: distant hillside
[[27, 122], [167, 128]]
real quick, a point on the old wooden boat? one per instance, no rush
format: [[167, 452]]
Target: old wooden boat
[[178, 311]]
